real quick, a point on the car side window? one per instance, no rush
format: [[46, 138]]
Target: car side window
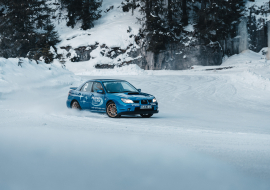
[[87, 87], [96, 86]]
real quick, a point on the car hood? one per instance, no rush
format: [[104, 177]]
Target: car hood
[[134, 96]]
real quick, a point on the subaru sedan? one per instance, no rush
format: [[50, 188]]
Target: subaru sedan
[[113, 97]]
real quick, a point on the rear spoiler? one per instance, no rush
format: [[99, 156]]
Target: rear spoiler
[[73, 88]]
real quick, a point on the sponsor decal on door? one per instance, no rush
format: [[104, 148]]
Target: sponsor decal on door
[[97, 101]]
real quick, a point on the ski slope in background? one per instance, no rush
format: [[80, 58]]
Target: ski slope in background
[[212, 132]]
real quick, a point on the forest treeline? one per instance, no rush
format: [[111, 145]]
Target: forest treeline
[[27, 26], [168, 20]]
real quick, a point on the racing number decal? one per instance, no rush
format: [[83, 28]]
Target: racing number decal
[[97, 101]]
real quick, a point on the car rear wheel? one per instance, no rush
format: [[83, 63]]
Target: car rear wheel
[[146, 115], [112, 110], [75, 105]]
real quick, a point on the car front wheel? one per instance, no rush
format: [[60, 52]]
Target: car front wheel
[[112, 110], [146, 115]]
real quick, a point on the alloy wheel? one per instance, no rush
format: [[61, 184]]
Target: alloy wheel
[[112, 110]]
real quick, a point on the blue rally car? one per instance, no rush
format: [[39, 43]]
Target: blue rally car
[[114, 97]]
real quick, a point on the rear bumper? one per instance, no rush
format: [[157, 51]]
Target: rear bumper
[[139, 112]]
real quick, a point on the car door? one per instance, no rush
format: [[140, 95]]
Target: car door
[[86, 95], [98, 102]]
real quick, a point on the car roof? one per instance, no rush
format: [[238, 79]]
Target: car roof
[[106, 80]]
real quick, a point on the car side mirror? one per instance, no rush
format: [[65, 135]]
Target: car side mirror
[[100, 91], [139, 90]]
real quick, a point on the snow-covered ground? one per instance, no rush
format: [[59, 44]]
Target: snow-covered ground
[[212, 132]]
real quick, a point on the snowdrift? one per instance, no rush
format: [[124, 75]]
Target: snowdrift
[[32, 75], [251, 69]]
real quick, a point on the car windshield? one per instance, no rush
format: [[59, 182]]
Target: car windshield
[[119, 87]]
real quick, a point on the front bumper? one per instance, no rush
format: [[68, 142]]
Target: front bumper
[[139, 112], [135, 108]]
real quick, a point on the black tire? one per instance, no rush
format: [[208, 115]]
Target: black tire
[[146, 115], [111, 110], [75, 105]]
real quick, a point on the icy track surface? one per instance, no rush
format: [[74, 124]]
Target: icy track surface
[[212, 132]]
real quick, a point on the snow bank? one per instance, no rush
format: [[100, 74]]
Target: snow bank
[[253, 69], [32, 75], [246, 57]]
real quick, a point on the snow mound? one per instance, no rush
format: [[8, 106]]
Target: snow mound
[[246, 57], [32, 75], [254, 68]]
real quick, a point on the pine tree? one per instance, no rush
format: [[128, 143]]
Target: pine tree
[[179, 18], [15, 28], [184, 13], [216, 19], [47, 39], [162, 24], [85, 11], [89, 13], [164, 20], [154, 24], [26, 28]]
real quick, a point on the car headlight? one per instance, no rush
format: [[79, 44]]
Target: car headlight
[[154, 100], [127, 101]]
